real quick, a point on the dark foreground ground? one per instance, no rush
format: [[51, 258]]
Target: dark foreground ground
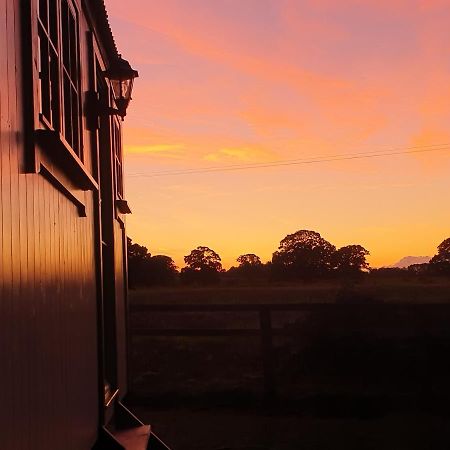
[[228, 429], [345, 380]]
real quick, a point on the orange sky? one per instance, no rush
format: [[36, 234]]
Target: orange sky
[[226, 82]]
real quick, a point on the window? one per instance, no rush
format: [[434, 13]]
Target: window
[[48, 62], [59, 77], [117, 149]]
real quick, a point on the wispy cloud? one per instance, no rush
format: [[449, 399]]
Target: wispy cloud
[[236, 154], [168, 150], [231, 81]]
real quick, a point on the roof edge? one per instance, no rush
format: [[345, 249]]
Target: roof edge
[[99, 18]]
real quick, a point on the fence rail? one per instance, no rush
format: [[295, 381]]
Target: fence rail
[[265, 330], [312, 307]]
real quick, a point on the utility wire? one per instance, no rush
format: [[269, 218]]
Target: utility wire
[[310, 158], [299, 161]]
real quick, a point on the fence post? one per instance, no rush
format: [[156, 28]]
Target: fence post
[[267, 354]]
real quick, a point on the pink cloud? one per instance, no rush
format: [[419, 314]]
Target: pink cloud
[[264, 80]]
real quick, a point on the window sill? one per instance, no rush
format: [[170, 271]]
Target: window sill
[[60, 153], [123, 207]]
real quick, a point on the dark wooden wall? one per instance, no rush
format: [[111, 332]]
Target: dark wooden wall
[[48, 292], [121, 313]]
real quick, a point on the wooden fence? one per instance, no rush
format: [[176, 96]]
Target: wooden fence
[[266, 331]]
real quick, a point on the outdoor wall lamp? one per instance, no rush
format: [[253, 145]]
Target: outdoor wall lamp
[[121, 75]]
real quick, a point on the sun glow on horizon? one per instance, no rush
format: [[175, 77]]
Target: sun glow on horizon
[[230, 82]]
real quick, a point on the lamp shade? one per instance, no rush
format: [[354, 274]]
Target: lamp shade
[[121, 76]]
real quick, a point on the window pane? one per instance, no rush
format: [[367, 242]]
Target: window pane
[[75, 122], [73, 47], [117, 141], [67, 111], [54, 90], [70, 72], [65, 35], [43, 13], [53, 25], [44, 79]]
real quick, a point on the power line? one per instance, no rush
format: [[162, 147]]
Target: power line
[[171, 171], [299, 161]]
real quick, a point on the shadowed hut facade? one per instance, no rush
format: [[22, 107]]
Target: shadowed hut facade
[[62, 225]]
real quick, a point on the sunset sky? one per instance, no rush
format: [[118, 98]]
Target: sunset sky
[[226, 82]]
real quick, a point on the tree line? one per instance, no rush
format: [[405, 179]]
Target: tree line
[[301, 256]]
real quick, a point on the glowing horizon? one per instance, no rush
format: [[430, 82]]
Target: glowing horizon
[[229, 82]]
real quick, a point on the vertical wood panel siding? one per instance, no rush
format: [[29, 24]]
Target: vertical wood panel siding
[[48, 335], [120, 238]]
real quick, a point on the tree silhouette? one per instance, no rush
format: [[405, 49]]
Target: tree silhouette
[[161, 270], [250, 268], [203, 258], [138, 257], [136, 251], [147, 270], [419, 269], [350, 260], [303, 254], [249, 260], [203, 266], [440, 263]]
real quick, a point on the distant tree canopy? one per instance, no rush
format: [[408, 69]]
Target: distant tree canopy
[[203, 258], [440, 263], [203, 266], [249, 260], [147, 270], [250, 268], [136, 252], [161, 271], [350, 259], [303, 254], [419, 269], [138, 257]]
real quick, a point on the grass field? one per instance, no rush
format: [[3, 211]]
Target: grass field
[[375, 289], [324, 346], [353, 380]]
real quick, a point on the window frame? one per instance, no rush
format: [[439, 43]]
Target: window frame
[[47, 148], [116, 141], [73, 76], [60, 109], [43, 32], [110, 125]]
